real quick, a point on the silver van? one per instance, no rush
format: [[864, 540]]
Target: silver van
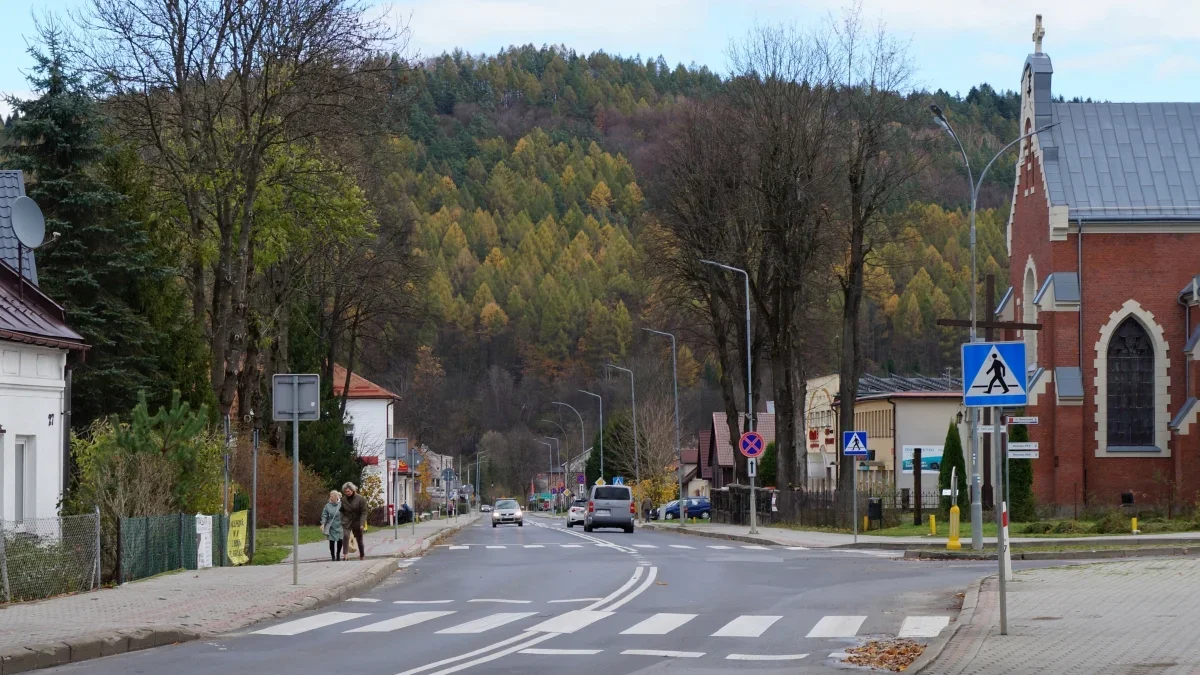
[[610, 506]]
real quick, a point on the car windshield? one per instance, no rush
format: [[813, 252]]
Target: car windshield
[[579, 502], [507, 504], [611, 492]]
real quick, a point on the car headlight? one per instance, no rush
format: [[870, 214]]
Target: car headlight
[[517, 513]]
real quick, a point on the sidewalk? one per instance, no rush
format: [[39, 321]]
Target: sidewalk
[[1135, 616], [189, 604], [381, 542], [816, 539]]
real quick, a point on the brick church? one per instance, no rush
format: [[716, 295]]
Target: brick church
[[1104, 249]]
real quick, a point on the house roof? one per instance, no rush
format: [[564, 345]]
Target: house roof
[[691, 454], [28, 315], [720, 431], [1124, 161], [702, 445], [360, 387], [12, 185]]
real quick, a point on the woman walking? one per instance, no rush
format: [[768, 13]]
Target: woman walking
[[331, 524], [354, 516]]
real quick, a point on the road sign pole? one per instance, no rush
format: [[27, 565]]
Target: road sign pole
[[1001, 547], [295, 480], [855, 482]]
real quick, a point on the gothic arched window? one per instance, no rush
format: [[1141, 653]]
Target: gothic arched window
[[1130, 386]]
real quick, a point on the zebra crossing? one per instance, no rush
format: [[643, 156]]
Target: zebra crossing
[[876, 553], [460, 622]]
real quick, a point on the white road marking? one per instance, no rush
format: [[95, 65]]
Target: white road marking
[[570, 545], [923, 626], [747, 625], [562, 652], [640, 589], [659, 624], [637, 574], [534, 546], [720, 547], [644, 546], [838, 655], [399, 622], [765, 657], [486, 623], [662, 652], [797, 548], [569, 622], [421, 602], [757, 548], [496, 655], [458, 548], [477, 652], [556, 602], [362, 600], [510, 602], [309, 623], [497, 547], [681, 546], [836, 627]]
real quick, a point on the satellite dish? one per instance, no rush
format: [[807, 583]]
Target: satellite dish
[[28, 223]]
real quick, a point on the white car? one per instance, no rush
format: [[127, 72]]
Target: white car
[[507, 512], [577, 512]]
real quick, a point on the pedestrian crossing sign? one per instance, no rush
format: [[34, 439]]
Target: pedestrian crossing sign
[[854, 444], [994, 374]]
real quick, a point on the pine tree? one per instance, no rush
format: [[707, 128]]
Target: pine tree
[[102, 267], [952, 458], [1023, 508]]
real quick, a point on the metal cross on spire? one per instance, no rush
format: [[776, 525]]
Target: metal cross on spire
[[1038, 34]]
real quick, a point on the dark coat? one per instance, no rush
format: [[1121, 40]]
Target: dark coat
[[354, 511]]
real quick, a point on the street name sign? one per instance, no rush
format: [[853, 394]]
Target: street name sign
[[854, 443], [1022, 420], [1031, 445], [1023, 454], [994, 374]]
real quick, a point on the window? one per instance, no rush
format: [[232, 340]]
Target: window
[[1130, 386]]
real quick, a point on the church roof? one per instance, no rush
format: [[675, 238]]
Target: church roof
[[1124, 161], [12, 186], [1065, 285]]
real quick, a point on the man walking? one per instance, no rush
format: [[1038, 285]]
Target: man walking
[[354, 516]]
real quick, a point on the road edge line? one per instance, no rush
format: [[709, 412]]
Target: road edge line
[[966, 614]]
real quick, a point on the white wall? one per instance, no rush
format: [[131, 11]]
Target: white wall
[[371, 431], [31, 404]]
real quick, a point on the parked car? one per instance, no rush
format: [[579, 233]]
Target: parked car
[[577, 513], [610, 506], [657, 513], [508, 511], [697, 507]]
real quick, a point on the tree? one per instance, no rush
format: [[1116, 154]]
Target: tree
[[768, 467], [102, 267], [1020, 480], [601, 197], [952, 459]]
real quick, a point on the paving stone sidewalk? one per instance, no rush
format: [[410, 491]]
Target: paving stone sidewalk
[[183, 605], [1131, 617]]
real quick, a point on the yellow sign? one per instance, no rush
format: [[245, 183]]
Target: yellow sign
[[237, 538], [599, 481]]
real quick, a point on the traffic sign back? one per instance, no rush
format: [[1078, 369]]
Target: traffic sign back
[[752, 444], [854, 444], [994, 374]]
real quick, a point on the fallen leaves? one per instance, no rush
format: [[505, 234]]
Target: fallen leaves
[[893, 655]]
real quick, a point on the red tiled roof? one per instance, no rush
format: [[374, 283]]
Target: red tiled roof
[[702, 449], [720, 430], [360, 387], [34, 319]]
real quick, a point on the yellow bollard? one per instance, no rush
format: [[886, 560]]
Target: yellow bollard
[[1133, 526], [866, 524], [932, 525], [952, 543]]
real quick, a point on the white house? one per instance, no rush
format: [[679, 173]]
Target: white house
[[368, 426], [35, 342]]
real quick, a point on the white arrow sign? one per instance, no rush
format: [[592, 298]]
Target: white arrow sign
[[1023, 446], [1023, 454]]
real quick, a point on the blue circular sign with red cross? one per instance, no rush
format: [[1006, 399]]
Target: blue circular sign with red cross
[[752, 444]]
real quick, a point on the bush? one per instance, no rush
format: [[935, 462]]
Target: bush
[[1070, 527], [1113, 522], [1020, 479], [1037, 528], [378, 517], [952, 458], [275, 488]]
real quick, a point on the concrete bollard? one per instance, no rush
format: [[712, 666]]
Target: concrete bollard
[[952, 543]]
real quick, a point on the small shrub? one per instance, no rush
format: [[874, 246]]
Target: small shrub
[[1070, 527], [1113, 522], [1038, 528]]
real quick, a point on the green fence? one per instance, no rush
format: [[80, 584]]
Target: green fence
[[151, 545]]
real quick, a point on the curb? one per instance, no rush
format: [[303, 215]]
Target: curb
[[96, 645], [714, 535], [1090, 554], [966, 614]]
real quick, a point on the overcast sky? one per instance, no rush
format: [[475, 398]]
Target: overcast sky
[[1117, 50]]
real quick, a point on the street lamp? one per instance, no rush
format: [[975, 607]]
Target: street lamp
[[678, 448], [560, 463], [478, 495], [637, 463], [976, 498], [750, 417], [601, 400], [557, 451], [550, 451], [567, 405]]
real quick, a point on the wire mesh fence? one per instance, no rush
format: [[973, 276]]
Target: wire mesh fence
[[150, 545], [818, 508], [44, 557]]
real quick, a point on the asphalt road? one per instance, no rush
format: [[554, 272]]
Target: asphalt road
[[542, 598]]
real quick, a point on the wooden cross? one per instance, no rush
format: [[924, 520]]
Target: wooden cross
[[1038, 34], [989, 293]]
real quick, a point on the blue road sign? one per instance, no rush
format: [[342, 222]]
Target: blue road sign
[[619, 480], [752, 444], [994, 374], [854, 444]]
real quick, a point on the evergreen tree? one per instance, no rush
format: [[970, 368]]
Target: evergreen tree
[[102, 267], [952, 458], [1023, 508], [767, 466]]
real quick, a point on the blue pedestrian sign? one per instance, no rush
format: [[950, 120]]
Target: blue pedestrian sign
[[619, 480], [994, 374], [854, 444]]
